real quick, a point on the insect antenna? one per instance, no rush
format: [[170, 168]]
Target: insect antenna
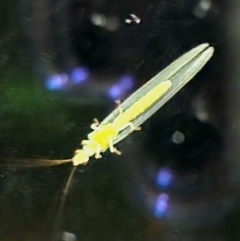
[[28, 163], [56, 234]]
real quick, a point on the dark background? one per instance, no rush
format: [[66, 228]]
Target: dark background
[[113, 198]]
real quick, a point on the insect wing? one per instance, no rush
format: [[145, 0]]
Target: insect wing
[[178, 79], [165, 74], [179, 72]]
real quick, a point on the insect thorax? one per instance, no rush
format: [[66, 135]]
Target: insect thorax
[[104, 135]]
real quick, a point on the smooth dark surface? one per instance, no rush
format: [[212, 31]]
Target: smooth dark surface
[[113, 199]]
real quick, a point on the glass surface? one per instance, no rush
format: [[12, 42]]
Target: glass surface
[[63, 63]]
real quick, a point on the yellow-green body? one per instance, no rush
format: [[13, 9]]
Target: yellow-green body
[[142, 104]]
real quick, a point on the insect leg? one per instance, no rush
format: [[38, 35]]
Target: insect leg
[[131, 125], [134, 128], [118, 102], [85, 142], [112, 148], [98, 151], [95, 124]]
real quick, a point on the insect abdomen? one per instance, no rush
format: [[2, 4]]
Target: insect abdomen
[[144, 103]]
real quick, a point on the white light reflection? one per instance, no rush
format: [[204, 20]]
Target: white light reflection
[[164, 177], [202, 8], [133, 19], [161, 205], [79, 75], [66, 236], [178, 137], [57, 81], [98, 19], [200, 109], [110, 23], [124, 84]]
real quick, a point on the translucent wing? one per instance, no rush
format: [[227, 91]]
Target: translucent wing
[[180, 72]]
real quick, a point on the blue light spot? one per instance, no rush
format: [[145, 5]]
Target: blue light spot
[[164, 177], [115, 92], [126, 82], [79, 75], [56, 82], [161, 205]]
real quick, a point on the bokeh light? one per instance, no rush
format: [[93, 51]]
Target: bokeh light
[[79, 75], [57, 81], [164, 177], [124, 84], [161, 205]]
